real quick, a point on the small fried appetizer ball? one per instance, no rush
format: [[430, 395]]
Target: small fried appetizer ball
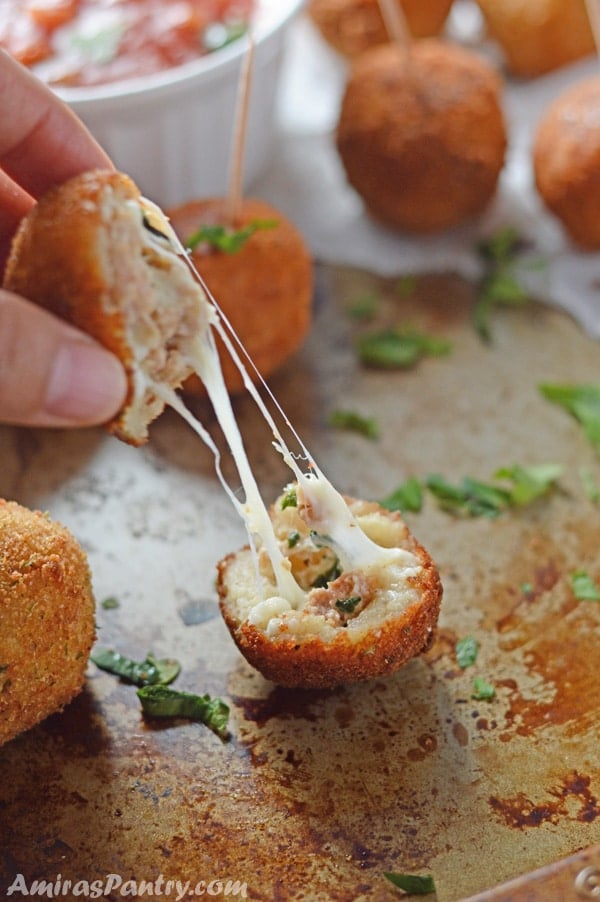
[[354, 624], [566, 161], [352, 26], [97, 253], [538, 36], [46, 618], [259, 270], [421, 134]]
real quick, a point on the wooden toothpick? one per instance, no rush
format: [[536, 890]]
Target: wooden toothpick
[[236, 177], [395, 22], [593, 11]]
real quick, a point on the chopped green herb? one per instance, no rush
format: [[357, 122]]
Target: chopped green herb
[[229, 241], [582, 402], [290, 499], [414, 884], [584, 587], [471, 498], [320, 541], [293, 538], [162, 701], [323, 580], [499, 286], [527, 588], [348, 419], [347, 605], [109, 604], [406, 285], [590, 487], [406, 497], [99, 47], [220, 34], [396, 348], [466, 650], [141, 673], [529, 483], [482, 689], [364, 307], [474, 498]]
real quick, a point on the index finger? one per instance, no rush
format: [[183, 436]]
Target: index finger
[[42, 142]]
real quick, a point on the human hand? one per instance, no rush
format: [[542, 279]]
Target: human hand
[[50, 373]]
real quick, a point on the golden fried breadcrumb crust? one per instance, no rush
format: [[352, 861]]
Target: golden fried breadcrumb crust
[[264, 288], [566, 158], [538, 36], [46, 618], [421, 134], [352, 26], [312, 662]]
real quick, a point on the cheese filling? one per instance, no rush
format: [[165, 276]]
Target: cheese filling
[[320, 505]]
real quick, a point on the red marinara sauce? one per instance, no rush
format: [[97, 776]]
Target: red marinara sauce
[[95, 42]]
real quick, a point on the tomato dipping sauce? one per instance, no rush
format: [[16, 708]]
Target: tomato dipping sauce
[[96, 42]]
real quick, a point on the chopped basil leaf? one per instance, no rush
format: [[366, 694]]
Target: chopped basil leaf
[[590, 487], [364, 307], [471, 498], [347, 605], [582, 402], [229, 241], [499, 286], [466, 650], [529, 483], [415, 884], [141, 673], [474, 498], [406, 285], [162, 701], [323, 580], [293, 538], [290, 499], [406, 497], [109, 604], [348, 419], [584, 587], [396, 348], [482, 689]]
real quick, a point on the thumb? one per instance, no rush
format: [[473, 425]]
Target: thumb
[[50, 373]]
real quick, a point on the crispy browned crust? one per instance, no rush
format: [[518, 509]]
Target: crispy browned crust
[[264, 289], [315, 664], [566, 159], [421, 134], [538, 36], [46, 618], [352, 26], [55, 262]]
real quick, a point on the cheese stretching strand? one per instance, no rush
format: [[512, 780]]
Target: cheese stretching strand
[[323, 507]]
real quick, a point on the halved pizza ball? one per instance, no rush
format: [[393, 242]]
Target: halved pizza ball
[[98, 254], [47, 624], [354, 625], [538, 36], [352, 26], [421, 134], [566, 159], [263, 283]]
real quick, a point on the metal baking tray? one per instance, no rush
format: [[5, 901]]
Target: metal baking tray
[[316, 794]]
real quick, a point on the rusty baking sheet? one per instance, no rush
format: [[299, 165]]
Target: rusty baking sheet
[[316, 794]]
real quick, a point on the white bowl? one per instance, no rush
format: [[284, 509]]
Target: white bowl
[[173, 132]]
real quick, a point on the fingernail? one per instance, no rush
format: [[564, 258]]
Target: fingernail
[[87, 384]]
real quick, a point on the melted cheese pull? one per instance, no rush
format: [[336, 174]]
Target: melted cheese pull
[[320, 505]]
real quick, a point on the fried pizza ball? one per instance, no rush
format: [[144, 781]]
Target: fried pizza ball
[[262, 283], [421, 134], [354, 625], [46, 618], [351, 26], [538, 36], [566, 160], [97, 253]]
